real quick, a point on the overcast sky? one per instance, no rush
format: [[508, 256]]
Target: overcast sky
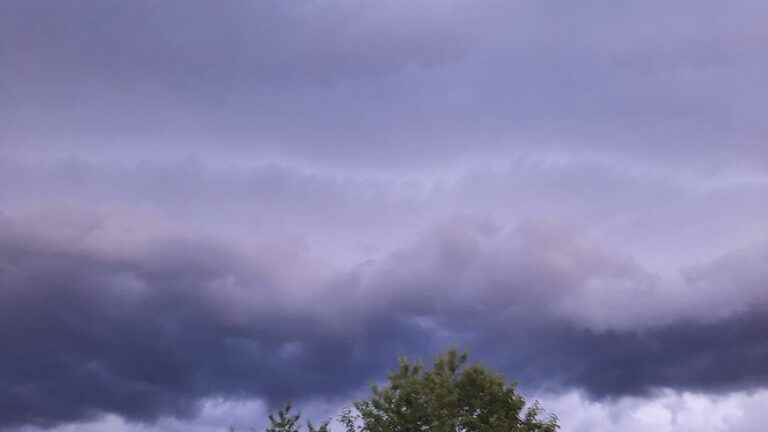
[[211, 208]]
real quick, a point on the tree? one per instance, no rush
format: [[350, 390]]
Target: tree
[[284, 421], [451, 397]]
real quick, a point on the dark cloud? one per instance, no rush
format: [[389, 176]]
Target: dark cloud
[[153, 334], [526, 304], [270, 200], [723, 355]]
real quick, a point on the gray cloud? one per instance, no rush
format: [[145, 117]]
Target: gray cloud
[[385, 85], [151, 334], [270, 200]]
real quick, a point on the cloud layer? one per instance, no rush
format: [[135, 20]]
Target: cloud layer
[[151, 331], [365, 84], [236, 204]]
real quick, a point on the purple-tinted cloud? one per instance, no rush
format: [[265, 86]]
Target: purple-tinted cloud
[[261, 201]]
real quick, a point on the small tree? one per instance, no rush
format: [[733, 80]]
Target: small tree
[[451, 397], [285, 421]]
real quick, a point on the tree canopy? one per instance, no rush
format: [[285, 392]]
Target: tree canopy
[[452, 396]]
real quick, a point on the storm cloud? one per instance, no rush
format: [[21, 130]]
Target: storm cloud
[[249, 202], [153, 331], [150, 335]]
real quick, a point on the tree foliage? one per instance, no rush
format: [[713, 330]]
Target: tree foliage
[[285, 421], [452, 396]]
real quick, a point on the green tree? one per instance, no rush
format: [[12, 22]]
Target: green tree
[[452, 396], [285, 421]]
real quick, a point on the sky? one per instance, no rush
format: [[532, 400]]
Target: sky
[[208, 209]]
